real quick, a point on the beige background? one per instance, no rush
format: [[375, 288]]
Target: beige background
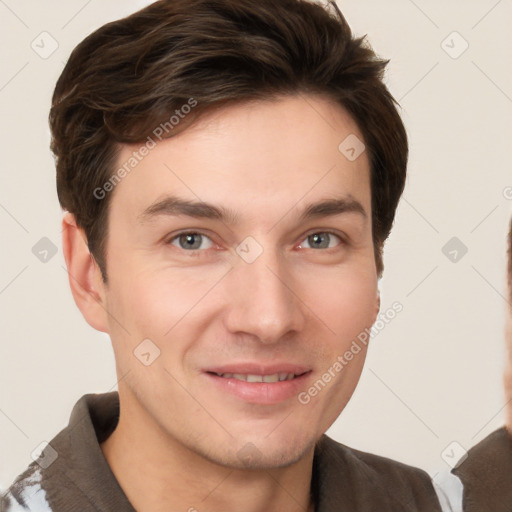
[[433, 375]]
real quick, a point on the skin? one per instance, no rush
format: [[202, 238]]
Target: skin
[[180, 436], [508, 370], [508, 388], [507, 377]]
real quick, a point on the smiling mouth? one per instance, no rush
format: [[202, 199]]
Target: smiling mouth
[[252, 378]]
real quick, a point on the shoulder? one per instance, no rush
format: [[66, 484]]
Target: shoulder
[[70, 461], [373, 480], [368, 464], [486, 474], [26, 493]]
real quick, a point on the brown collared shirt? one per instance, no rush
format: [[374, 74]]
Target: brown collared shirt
[[72, 474]]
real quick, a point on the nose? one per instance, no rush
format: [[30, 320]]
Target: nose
[[264, 299]]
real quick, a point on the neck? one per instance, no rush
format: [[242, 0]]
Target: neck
[[158, 473]]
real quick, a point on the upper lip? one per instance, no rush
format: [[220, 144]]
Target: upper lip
[[259, 369]]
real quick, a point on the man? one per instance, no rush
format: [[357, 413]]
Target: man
[[508, 334], [230, 171], [486, 473]]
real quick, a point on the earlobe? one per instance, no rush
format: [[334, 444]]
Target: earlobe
[[84, 275]]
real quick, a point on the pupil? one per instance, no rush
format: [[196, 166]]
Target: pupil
[[317, 237], [189, 240]]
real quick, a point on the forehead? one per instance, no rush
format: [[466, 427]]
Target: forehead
[[255, 158]]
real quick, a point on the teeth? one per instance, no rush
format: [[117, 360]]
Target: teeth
[[275, 377]]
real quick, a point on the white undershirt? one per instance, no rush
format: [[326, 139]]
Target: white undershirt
[[449, 490]]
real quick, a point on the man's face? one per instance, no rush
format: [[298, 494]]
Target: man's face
[[263, 294]]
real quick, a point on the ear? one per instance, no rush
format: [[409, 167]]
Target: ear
[[84, 274]]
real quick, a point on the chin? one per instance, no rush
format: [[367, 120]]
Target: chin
[[256, 453]]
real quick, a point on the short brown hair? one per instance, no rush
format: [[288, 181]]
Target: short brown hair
[[130, 75]]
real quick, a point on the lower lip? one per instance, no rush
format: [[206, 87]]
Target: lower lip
[[260, 392]]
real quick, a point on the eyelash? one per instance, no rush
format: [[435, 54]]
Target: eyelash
[[198, 252]]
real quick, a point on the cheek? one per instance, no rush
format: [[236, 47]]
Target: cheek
[[153, 303], [344, 302]]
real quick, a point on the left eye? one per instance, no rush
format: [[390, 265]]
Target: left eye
[[190, 241], [321, 240]]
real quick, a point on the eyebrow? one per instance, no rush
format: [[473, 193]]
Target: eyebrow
[[174, 206]]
